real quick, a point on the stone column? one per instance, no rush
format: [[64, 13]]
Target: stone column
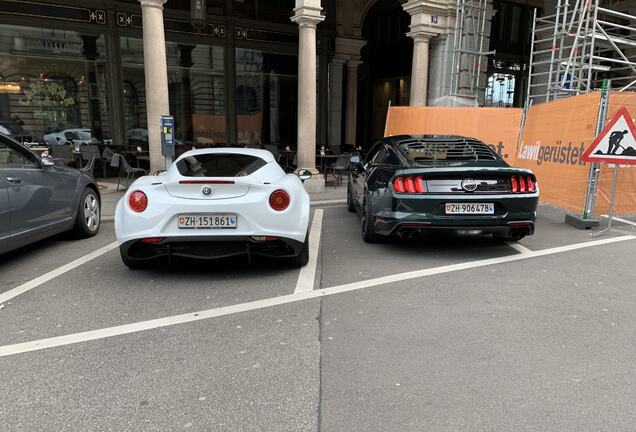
[[428, 19], [156, 75], [352, 102], [349, 48], [307, 16], [419, 72], [335, 102]]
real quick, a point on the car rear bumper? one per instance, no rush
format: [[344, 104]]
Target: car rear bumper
[[199, 247], [513, 214]]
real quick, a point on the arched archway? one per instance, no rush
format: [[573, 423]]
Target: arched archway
[[385, 72]]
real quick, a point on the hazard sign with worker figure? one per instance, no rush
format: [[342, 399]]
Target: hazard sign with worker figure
[[616, 143]]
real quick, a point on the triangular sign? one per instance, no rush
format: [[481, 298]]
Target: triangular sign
[[616, 143]]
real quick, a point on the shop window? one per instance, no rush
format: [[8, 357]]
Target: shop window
[[53, 82], [196, 88], [266, 98]]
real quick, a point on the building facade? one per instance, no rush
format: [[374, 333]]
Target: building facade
[[70, 72]]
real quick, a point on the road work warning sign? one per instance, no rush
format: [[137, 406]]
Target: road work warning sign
[[616, 143]]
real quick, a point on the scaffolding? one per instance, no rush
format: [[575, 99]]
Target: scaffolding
[[578, 46], [471, 36]]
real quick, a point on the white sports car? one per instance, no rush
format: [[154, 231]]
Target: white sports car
[[215, 203]]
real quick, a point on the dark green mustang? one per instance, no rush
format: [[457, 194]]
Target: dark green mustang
[[407, 185]]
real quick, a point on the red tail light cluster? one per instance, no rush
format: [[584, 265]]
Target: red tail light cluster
[[522, 184], [279, 200], [138, 201], [409, 184]]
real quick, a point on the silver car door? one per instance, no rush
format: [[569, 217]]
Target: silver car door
[[37, 195]]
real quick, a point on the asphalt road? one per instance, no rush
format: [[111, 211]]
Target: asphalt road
[[443, 334]]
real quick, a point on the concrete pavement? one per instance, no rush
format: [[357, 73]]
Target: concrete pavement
[[538, 343]]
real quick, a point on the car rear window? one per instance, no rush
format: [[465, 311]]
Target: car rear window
[[219, 165], [426, 151]]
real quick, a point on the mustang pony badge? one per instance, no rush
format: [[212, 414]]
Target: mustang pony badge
[[469, 185]]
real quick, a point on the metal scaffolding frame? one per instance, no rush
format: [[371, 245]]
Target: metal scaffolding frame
[[578, 46], [468, 47]]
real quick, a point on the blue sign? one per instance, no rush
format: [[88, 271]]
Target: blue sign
[[167, 135]]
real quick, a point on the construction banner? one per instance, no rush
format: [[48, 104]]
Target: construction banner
[[554, 138], [497, 127]]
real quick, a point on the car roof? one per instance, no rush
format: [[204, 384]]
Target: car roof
[[396, 139], [263, 154]]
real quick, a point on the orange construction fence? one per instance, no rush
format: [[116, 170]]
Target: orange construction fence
[[554, 137]]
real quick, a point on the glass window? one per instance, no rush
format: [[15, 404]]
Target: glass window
[[52, 82], [219, 165], [12, 158], [196, 84], [266, 98]]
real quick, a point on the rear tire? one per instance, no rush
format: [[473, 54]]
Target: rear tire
[[88, 218], [368, 228], [351, 208], [302, 258], [131, 264]]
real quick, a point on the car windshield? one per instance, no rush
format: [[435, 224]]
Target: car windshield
[[219, 165], [446, 150]]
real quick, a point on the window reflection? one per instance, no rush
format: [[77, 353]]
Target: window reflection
[[266, 98], [196, 87], [53, 87]]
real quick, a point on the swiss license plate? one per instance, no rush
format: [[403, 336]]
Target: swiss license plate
[[206, 221], [470, 208]]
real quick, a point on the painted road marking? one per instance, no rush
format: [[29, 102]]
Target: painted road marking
[[307, 274], [518, 247], [286, 299], [333, 201], [55, 273]]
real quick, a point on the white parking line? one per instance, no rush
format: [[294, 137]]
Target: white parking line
[[55, 273], [307, 274], [290, 298], [333, 201], [625, 221], [518, 247]]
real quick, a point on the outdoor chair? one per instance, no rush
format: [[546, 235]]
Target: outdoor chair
[[123, 167], [88, 154], [107, 159], [63, 153], [339, 168], [90, 165]]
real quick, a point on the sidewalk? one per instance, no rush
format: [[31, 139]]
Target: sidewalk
[[110, 196]]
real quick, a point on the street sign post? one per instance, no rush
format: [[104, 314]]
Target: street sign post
[[616, 144], [167, 138]]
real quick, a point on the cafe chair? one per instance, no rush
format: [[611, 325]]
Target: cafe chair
[[87, 153], [123, 168], [63, 154], [339, 168], [90, 165]]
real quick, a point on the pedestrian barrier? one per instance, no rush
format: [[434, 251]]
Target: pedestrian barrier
[[554, 137]]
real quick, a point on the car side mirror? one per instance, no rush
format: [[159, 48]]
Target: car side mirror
[[355, 163], [304, 175], [47, 162]]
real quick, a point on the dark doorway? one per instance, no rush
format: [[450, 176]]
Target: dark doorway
[[384, 75]]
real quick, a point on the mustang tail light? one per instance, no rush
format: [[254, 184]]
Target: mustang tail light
[[522, 184], [279, 200], [138, 201], [409, 184]]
